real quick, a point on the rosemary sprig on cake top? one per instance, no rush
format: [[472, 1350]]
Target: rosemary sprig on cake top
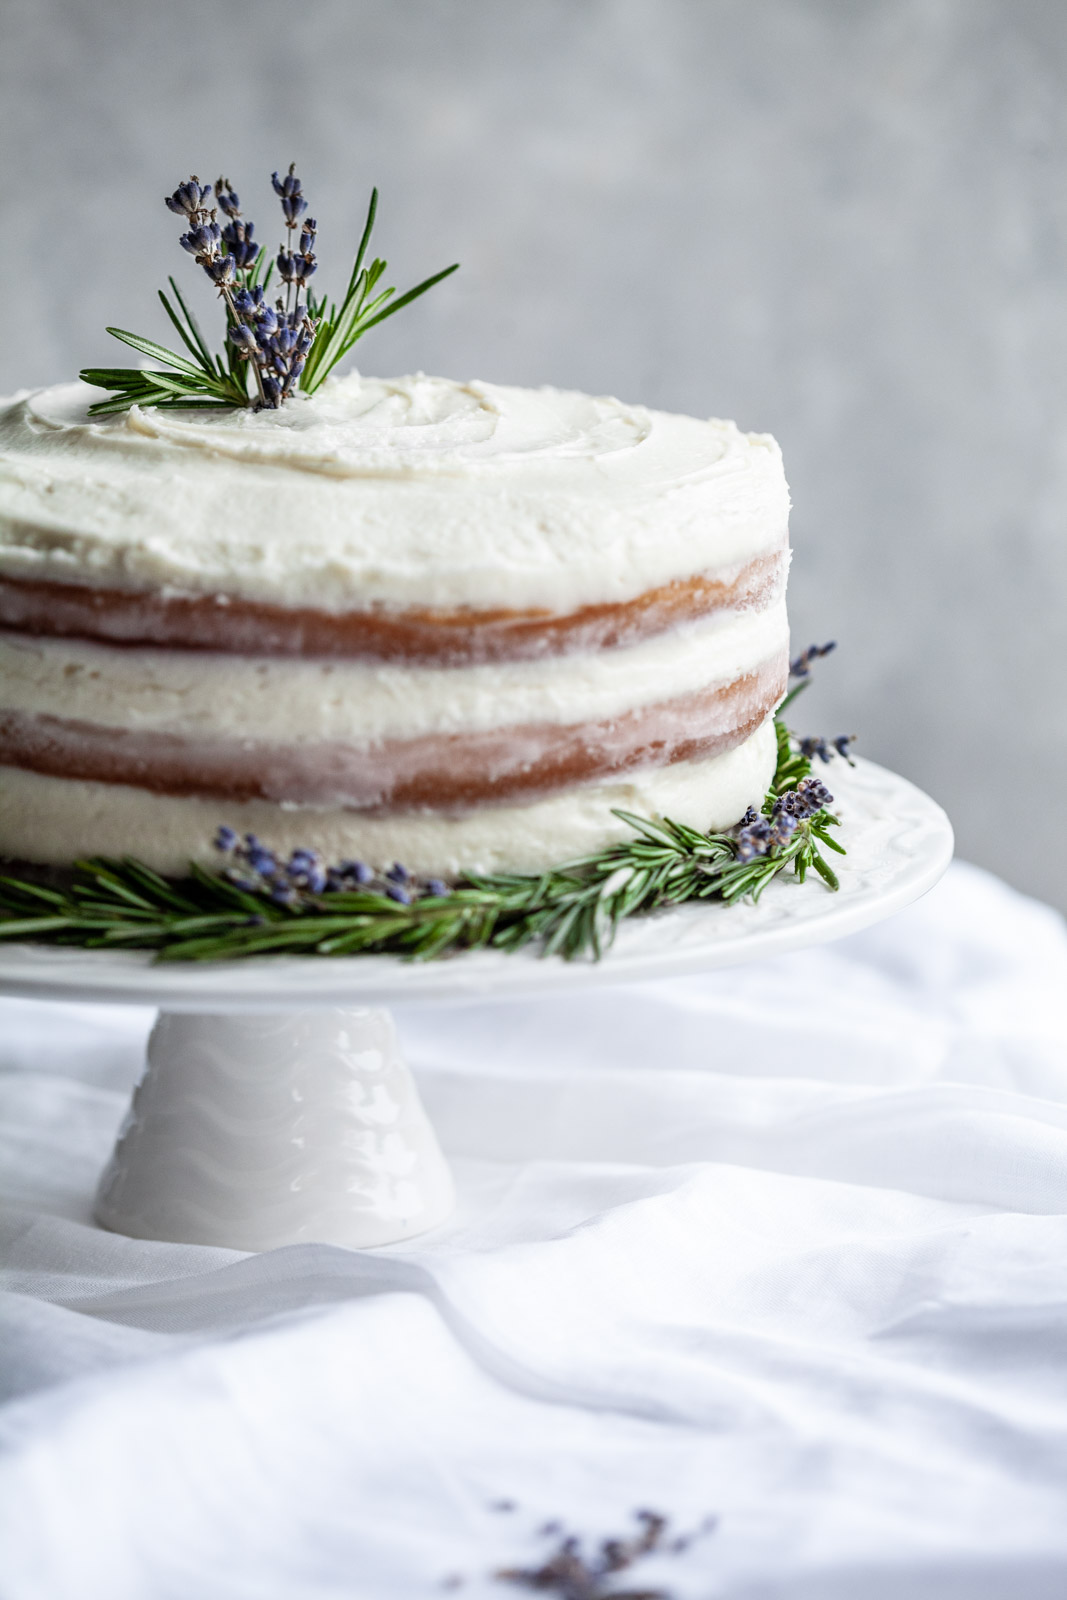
[[259, 904], [273, 347]]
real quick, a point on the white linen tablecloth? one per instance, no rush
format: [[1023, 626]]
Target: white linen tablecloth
[[785, 1244]]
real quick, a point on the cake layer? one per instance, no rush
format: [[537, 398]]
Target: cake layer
[[417, 494], [56, 820], [204, 694], [437, 771], [443, 638]]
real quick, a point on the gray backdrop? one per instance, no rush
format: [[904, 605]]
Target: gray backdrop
[[839, 221]]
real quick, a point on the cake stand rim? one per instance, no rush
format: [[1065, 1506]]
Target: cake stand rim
[[916, 849]]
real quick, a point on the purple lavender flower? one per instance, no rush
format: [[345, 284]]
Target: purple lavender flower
[[188, 197], [247, 302], [237, 237], [801, 666], [201, 240], [222, 270], [816, 794], [755, 840], [358, 870], [228, 200], [288, 191], [816, 749]]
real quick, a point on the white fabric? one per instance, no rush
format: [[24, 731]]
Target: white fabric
[[786, 1244]]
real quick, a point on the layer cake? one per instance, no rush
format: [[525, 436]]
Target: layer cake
[[454, 624]]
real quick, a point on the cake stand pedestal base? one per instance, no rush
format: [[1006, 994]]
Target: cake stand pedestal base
[[253, 1131]]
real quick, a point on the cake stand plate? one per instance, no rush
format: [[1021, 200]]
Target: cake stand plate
[[276, 1106]]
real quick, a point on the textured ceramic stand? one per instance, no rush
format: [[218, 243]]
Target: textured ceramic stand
[[276, 1107], [259, 1130]]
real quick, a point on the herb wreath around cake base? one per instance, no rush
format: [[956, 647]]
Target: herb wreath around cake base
[[258, 905]]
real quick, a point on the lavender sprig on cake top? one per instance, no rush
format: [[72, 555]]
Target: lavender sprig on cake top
[[275, 345]]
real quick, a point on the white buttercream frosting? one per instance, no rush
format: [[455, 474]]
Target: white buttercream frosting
[[413, 491]]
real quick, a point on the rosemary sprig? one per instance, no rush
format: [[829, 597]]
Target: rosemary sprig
[[338, 327], [279, 346], [571, 911]]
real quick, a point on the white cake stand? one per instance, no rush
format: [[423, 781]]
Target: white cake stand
[[276, 1106]]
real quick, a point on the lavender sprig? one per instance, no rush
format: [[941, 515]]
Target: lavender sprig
[[299, 880], [812, 748], [292, 342]]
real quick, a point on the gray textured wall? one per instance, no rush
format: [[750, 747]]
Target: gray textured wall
[[840, 221]]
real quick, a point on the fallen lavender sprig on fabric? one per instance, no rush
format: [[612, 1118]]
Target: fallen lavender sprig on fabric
[[572, 1572], [291, 342]]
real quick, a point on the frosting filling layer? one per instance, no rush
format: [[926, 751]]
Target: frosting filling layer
[[443, 772]]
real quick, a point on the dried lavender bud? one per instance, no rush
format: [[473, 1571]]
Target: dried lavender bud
[[785, 825], [289, 185], [249, 302], [815, 793], [358, 870], [187, 197], [395, 892], [202, 239], [435, 886], [221, 270], [241, 335], [225, 838], [398, 873], [237, 236], [755, 840], [227, 198], [801, 666], [812, 748]]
